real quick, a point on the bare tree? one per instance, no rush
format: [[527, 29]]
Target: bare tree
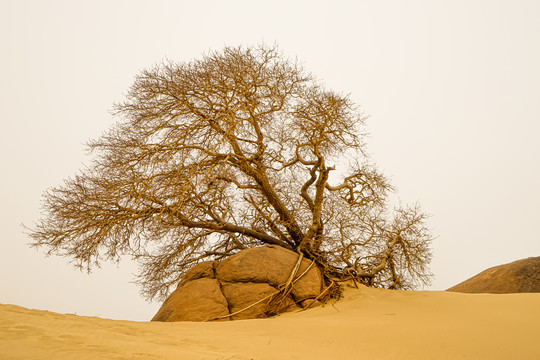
[[233, 151]]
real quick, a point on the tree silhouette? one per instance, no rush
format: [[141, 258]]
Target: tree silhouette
[[236, 150]]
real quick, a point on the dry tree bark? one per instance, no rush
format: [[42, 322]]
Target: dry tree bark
[[228, 152]]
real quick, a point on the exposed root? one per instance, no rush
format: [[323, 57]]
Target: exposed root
[[280, 299]]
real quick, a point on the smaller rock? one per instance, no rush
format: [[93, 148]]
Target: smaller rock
[[521, 276]]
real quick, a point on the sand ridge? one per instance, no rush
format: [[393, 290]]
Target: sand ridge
[[366, 324]]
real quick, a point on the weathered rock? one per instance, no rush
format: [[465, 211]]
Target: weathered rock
[[272, 265], [214, 289], [197, 300], [201, 270], [516, 277]]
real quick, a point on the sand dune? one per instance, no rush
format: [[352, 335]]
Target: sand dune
[[366, 324]]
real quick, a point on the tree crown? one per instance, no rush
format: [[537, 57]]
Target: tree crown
[[229, 152]]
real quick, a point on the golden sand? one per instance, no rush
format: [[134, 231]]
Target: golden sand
[[366, 324]]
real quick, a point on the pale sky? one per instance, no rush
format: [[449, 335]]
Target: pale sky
[[452, 89]]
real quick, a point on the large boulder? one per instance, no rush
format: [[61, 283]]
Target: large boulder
[[522, 276], [246, 285]]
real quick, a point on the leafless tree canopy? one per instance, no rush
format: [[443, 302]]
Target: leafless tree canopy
[[239, 149]]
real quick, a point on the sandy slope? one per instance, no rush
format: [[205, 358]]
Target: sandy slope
[[367, 324]]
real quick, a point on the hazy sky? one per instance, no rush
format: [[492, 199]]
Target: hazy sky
[[452, 89]]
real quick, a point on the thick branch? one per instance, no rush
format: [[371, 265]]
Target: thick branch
[[228, 227]]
